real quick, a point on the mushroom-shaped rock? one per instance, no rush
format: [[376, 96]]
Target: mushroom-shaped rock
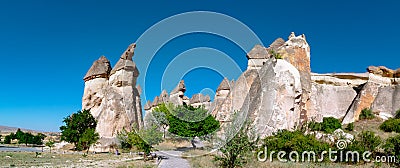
[[224, 85], [164, 97], [125, 62], [155, 102], [258, 52], [276, 44], [180, 87], [147, 106], [100, 69], [199, 98]]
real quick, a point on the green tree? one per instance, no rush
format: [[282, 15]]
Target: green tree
[[237, 151], [144, 139], [187, 121], [76, 126], [7, 139], [25, 138], [19, 135], [89, 137], [50, 144], [38, 139], [159, 113], [124, 139]]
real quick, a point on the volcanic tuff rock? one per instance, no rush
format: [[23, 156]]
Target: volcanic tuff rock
[[112, 97], [275, 98], [283, 93]]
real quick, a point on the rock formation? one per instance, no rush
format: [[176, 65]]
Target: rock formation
[[275, 98], [112, 97], [282, 93], [176, 97]]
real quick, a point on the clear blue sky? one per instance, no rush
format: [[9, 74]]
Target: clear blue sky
[[46, 47]]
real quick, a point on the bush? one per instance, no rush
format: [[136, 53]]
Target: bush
[[369, 140], [328, 125], [350, 127], [237, 151], [288, 141], [391, 125], [366, 114], [275, 54], [144, 139], [392, 147], [397, 116], [365, 141]]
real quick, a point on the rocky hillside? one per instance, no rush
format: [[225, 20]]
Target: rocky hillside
[[279, 91]]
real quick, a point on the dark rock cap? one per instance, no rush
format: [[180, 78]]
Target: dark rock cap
[[224, 85], [180, 87], [147, 106], [100, 69], [258, 52], [276, 44], [125, 62], [155, 102]]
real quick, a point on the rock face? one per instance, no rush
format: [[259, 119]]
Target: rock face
[[275, 98], [199, 99], [112, 97], [387, 102], [330, 101], [297, 52], [283, 93]]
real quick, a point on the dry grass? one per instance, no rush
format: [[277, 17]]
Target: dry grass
[[29, 159], [172, 145], [371, 125], [200, 158]]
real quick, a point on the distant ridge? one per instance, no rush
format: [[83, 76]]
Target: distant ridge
[[7, 129]]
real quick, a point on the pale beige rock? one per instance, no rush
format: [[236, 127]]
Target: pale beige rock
[[387, 102], [176, 95], [330, 100], [273, 99], [256, 57], [297, 52], [114, 100]]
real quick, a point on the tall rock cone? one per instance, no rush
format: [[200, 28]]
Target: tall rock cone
[[113, 98]]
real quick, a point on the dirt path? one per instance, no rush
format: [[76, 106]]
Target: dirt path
[[172, 159]]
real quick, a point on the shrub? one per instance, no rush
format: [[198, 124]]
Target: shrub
[[391, 125], [328, 125], [275, 54], [144, 139], [369, 140], [365, 141], [366, 114], [237, 151], [288, 141], [397, 116], [392, 147], [350, 127]]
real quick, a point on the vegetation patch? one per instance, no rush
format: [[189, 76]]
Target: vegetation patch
[[328, 125]]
